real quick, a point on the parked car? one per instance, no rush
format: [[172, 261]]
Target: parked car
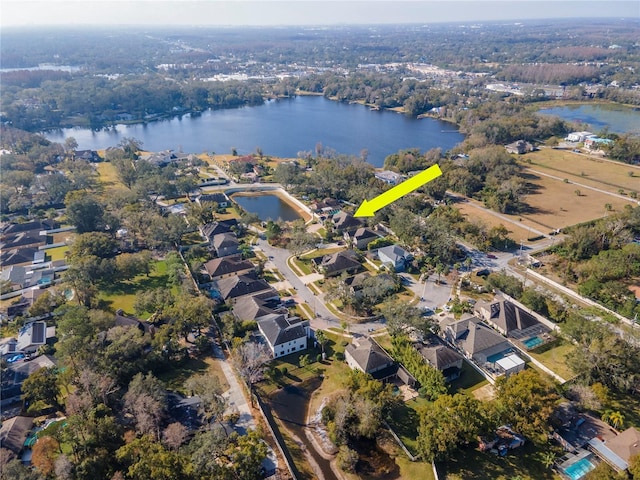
[[491, 255]]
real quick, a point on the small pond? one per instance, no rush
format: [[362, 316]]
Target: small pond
[[267, 207]]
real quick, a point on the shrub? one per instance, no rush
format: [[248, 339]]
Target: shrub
[[339, 356], [347, 459]]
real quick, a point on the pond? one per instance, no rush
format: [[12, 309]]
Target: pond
[[267, 207], [617, 118]]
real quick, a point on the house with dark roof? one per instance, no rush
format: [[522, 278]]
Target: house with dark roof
[[32, 336], [362, 237], [394, 256], [13, 434], [19, 242], [88, 156], [339, 262], [220, 198], [440, 356], [254, 308], [345, 222], [214, 228], [508, 318], [475, 339], [366, 355], [284, 335], [16, 373], [232, 289], [122, 320], [223, 267], [225, 244]]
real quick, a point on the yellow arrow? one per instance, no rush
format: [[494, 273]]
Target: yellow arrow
[[368, 208]]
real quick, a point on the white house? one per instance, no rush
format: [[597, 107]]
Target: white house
[[389, 177], [395, 256], [284, 335], [578, 136]]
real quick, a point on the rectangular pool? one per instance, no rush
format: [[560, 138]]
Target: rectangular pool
[[533, 342], [579, 469]]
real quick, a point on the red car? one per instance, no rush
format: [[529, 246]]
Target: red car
[[491, 255]]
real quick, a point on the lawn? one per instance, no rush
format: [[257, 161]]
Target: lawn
[[57, 253], [473, 212], [108, 177], [472, 464], [555, 359], [404, 422], [302, 265], [122, 295], [320, 253], [607, 175], [470, 379], [174, 379]]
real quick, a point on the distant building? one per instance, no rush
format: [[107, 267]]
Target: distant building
[[389, 177], [519, 147], [578, 136], [220, 198]]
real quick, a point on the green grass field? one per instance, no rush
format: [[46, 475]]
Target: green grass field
[[555, 359], [122, 295], [174, 379]]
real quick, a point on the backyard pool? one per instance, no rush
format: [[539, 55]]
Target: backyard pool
[[579, 469], [533, 342], [499, 356]]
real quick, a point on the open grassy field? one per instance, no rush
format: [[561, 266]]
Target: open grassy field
[[555, 204], [57, 253], [473, 213], [555, 359], [174, 379], [108, 177], [524, 462], [590, 170], [122, 295]]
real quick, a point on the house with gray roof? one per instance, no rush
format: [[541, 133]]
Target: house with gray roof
[[336, 263], [362, 237], [519, 147], [475, 339], [13, 434], [214, 228], [394, 256], [366, 355], [32, 336], [345, 222], [225, 244], [227, 266], [254, 308], [220, 198], [16, 373], [508, 318], [232, 289], [284, 335], [387, 176], [440, 356]]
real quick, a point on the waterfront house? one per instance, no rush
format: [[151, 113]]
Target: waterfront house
[[364, 354], [220, 198], [389, 177]]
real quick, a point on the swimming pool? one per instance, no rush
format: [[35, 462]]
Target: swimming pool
[[579, 469], [499, 356], [532, 342]]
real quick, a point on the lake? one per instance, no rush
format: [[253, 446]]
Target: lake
[[281, 128], [617, 118], [267, 207]]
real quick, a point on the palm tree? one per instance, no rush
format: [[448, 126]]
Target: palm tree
[[616, 419], [548, 458]]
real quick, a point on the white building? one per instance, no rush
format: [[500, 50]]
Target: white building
[[578, 136], [284, 335]]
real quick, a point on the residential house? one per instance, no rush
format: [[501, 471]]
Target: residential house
[[508, 318], [254, 308], [16, 373], [389, 177], [596, 143], [364, 354], [578, 136], [326, 205], [503, 440], [440, 357], [394, 256], [339, 262], [214, 228], [284, 335], [8, 346], [220, 198], [19, 242], [21, 277], [160, 159], [122, 320], [362, 237], [232, 289], [223, 267], [345, 222], [519, 147], [32, 336], [618, 450], [225, 244], [25, 301], [88, 156], [13, 434], [475, 340]]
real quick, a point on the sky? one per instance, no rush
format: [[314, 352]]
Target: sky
[[299, 12]]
